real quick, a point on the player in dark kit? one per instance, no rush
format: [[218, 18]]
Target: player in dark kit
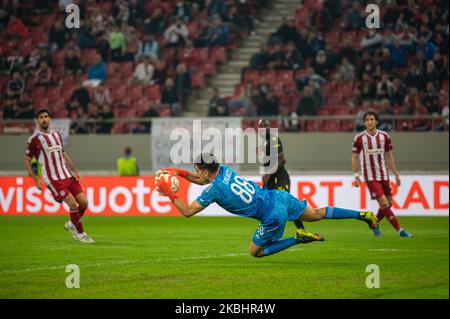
[[280, 179]]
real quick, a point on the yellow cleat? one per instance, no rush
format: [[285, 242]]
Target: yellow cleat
[[306, 236], [369, 218]]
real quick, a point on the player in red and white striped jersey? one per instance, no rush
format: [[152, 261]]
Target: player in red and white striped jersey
[[58, 172], [374, 149]]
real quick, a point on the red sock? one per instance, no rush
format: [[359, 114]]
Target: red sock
[[81, 211], [391, 217], [380, 214], [76, 220]]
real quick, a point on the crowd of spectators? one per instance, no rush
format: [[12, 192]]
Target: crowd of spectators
[[118, 43], [341, 67]]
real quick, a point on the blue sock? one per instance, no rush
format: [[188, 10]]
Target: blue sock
[[280, 245], [332, 212]]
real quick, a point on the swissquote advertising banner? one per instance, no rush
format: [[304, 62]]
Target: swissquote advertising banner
[[419, 195]]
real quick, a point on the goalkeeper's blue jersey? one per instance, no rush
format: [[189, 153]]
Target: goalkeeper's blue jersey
[[238, 196]]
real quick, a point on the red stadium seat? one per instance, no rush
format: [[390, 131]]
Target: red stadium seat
[[198, 80], [219, 54], [270, 75], [208, 68], [135, 92], [251, 76], [153, 92]]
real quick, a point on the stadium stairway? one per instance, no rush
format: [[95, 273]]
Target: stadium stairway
[[229, 73]]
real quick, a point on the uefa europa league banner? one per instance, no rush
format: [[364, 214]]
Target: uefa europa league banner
[[419, 195]]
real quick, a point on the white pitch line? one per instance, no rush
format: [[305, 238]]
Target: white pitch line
[[125, 262]]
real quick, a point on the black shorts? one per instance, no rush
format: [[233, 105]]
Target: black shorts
[[280, 180]]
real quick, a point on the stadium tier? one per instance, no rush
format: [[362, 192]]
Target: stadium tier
[[284, 58]]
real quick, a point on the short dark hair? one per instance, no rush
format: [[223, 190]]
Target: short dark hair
[[207, 161], [42, 110], [370, 112]]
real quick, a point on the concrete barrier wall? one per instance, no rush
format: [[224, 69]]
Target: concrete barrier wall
[[427, 151]]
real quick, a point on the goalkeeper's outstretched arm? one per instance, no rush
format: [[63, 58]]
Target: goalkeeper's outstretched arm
[[185, 209]]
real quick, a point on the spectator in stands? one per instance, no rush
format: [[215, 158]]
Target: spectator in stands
[[445, 115], [9, 112], [103, 46], [16, 86], [354, 19], [182, 85], [156, 24], [136, 12], [389, 38], [346, 70], [427, 47], [97, 71], [117, 44], [368, 87], [398, 92], [348, 51], [385, 85], [315, 42], [264, 87], [321, 65], [169, 96], [182, 11], [81, 95], [307, 104], [359, 120], [160, 72], [440, 64], [16, 28], [72, 63], [176, 34], [385, 109], [32, 61], [431, 99], [406, 38], [260, 59], [292, 59], [121, 11], [316, 94], [85, 39], [321, 17], [414, 77], [385, 62], [287, 32], [57, 35], [419, 60], [412, 101], [398, 54], [143, 73], [43, 75], [219, 33], [214, 101], [366, 65], [79, 123], [221, 109], [233, 20], [288, 121], [302, 43], [276, 57], [431, 75], [101, 95], [148, 47], [371, 40], [242, 104], [15, 62], [104, 114], [270, 105]]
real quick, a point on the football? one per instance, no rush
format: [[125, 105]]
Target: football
[[175, 183]]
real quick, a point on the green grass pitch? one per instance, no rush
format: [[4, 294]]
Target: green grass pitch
[[207, 257]]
